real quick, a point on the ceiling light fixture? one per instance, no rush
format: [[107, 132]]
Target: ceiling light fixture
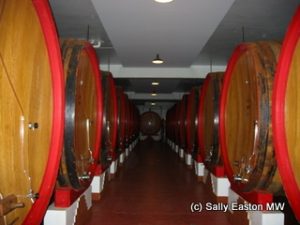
[[153, 93], [157, 60], [163, 1], [155, 83], [153, 103]]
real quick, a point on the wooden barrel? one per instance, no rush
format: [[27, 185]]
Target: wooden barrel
[[192, 120], [136, 122], [127, 118], [245, 118], [83, 113], [121, 105], [170, 123], [208, 119], [150, 123], [286, 114], [110, 114], [132, 122], [31, 112], [182, 122], [177, 124]]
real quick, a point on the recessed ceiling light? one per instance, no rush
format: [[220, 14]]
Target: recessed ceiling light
[[155, 83], [153, 94], [164, 1], [153, 103], [157, 60]]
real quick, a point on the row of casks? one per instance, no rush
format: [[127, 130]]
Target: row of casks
[[248, 118], [61, 118]]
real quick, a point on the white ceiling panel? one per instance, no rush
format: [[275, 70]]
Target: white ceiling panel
[[177, 31]]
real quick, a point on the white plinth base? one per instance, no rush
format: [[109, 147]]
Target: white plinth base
[[188, 159], [181, 153], [156, 137], [98, 183], [173, 146], [142, 137], [122, 158], [199, 168], [113, 167], [67, 216], [257, 217], [176, 149], [266, 218], [220, 185]]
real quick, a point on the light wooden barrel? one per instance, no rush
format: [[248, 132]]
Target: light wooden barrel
[[286, 114], [83, 114], [31, 111], [192, 120], [245, 118], [208, 119], [121, 105], [150, 123], [110, 117]]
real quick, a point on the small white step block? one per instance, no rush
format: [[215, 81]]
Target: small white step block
[[98, 183], [265, 218], [122, 158], [259, 217], [126, 152], [176, 149], [220, 185], [67, 216], [113, 167], [199, 168], [188, 159], [181, 153]]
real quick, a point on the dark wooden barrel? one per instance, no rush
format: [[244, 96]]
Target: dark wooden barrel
[[137, 118], [83, 114], [208, 119], [170, 123], [182, 122], [132, 122], [192, 120], [286, 114], [127, 125], [177, 124], [31, 115], [110, 116], [121, 105], [150, 123], [245, 118]]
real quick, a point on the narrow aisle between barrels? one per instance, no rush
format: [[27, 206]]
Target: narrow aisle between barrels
[[154, 188]]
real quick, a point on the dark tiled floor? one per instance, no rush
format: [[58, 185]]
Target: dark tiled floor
[[154, 188]]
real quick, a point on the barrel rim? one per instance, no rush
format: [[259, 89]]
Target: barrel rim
[[44, 14], [278, 120], [238, 51], [97, 76]]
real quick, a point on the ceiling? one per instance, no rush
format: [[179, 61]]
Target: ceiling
[[186, 33]]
